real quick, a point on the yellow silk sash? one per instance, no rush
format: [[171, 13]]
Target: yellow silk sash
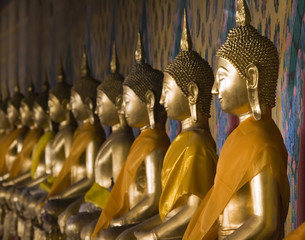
[[118, 203], [6, 142], [297, 234], [189, 168], [28, 145], [97, 195], [39, 150], [252, 146], [82, 137], [46, 185]]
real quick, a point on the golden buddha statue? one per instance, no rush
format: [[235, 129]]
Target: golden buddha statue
[[136, 192], [110, 157], [19, 171], [5, 130], [186, 96], [55, 153], [77, 174], [13, 143], [250, 196]]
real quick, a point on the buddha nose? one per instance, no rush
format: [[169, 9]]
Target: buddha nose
[[162, 98], [214, 90]]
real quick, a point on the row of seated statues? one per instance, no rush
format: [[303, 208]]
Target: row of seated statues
[[61, 179]]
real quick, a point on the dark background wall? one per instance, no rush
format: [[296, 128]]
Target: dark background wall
[[35, 33]]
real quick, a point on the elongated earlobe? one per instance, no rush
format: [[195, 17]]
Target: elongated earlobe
[[150, 104], [90, 110], [252, 88], [192, 99]]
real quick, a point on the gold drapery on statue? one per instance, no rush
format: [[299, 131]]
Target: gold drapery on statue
[[252, 146], [82, 137], [189, 168], [29, 143], [5, 143], [118, 203], [39, 150]]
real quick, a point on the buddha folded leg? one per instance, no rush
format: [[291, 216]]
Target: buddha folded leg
[[51, 211], [87, 230], [76, 222], [68, 212], [113, 232]]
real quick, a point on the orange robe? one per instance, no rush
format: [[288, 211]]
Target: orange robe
[[118, 203], [189, 168], [252, 146], [28, 145], [297, 234], [82, 137], [5, 143]]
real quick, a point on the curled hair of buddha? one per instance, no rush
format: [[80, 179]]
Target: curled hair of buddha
[[143, 77], [31, 96], [62, 90], [188, 67], [86, 86], [243, 46], [42, 99], [112, 85], [17, 97]]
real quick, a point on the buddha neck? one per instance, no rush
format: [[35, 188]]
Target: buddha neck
[[245, 116], [117, 127], [202, 123], [86, 121], [266, 111]]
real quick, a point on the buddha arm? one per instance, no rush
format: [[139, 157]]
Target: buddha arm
[[148, 206], [38, 180], [264, 222], [20, 180], [82, 185], [103, 169]]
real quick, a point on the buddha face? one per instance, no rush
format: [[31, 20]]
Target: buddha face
[[12, 114], [4, 123], [57, 110], [135, 110], [106, 110], [40, 117], [78, 107], [231, 89], [26, 115], [174, 101]]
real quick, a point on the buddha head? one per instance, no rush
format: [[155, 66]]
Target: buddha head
[[109, 94], [141, 93], [247, 69], [83, 94], [27, 105], [187, 83], [40, 109], [59, 97], [4, 121], [13, 106]]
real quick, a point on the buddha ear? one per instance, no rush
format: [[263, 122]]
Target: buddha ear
[[119, 104], [66, 104], [192, 99], [252, 89], [90, 109], [150, 105]]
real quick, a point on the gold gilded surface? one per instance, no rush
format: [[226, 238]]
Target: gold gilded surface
[[254, 203]]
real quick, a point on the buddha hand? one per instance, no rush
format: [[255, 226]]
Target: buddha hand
[[151, 235]]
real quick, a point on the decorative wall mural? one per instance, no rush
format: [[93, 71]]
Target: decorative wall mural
[[34, 34]]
